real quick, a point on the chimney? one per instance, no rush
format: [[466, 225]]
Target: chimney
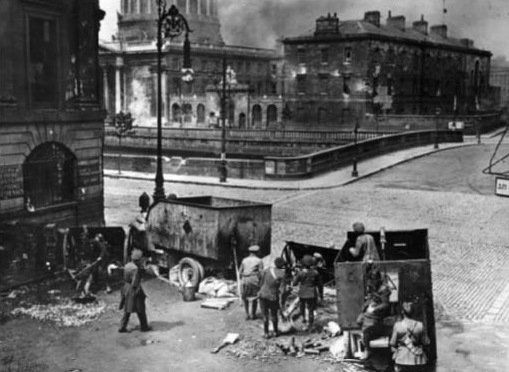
[[421, 26], [373, 17], [327, 25], [398, 22], [440, 30], [467, 43]]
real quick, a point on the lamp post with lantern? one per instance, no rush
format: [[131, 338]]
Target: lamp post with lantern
[[437, 113], [223, 88], [170, 24]]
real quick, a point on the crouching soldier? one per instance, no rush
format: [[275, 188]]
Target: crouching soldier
[[132, 294]]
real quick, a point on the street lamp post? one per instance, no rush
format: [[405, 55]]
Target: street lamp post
[[355, 173], [228, 77], [437, 112], [222, 166], [170, 24]]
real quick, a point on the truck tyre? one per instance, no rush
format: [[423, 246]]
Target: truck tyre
[[189, 271], [201, 270]]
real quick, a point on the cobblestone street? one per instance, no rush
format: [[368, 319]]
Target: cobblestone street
[[467, 223], [445, 192]]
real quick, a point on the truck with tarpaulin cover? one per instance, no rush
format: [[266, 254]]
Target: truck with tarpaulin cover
[[204, 234]]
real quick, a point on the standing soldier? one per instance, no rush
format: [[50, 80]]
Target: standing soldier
[[309, 281], [132, 295], [365, 247], [250, 272], [272, 289], [100, 253]]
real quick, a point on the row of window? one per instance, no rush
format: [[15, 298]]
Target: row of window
[[184, 113], [199, 86], [240, 67], [205, 7], [302, 56]]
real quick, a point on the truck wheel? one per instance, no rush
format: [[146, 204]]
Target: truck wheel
[[201, 271], [189, 271]]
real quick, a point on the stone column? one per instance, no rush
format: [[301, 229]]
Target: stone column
[[208, 7], [106, 96], [188, 7], [198, 11], [118, 85]]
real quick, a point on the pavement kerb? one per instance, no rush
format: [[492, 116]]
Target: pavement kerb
[[296, 188], [406, 160]]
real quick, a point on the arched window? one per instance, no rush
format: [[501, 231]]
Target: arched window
[[50, 175], [271, 115], [200, 113], [231, 112], [242, 120], [176, 113], [188, 112], [257, 115]]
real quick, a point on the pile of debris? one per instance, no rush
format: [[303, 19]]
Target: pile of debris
[[63, 312]]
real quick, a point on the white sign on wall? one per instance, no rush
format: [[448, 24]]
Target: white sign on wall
[[502, 186]]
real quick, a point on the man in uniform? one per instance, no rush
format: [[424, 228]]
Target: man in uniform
[[250, 273], [365, 247], [132, 295]]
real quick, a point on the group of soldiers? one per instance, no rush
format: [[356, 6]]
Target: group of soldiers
[[270, 287]]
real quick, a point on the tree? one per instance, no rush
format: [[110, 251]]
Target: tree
[[123, 127]]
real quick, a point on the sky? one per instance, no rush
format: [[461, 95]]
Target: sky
[[261, 22]]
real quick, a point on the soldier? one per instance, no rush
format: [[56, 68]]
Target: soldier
[[250, 272], [365, 247], [272, 289], [309, 281], [132, 295]]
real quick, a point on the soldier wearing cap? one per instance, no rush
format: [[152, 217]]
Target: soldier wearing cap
[[250, 273], [132, 295], [309, 281]]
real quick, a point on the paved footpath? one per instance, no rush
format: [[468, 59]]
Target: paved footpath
[[324, 181]]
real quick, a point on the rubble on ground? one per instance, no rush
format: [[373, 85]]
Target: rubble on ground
[[63, 312]]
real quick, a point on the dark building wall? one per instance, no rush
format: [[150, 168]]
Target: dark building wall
[[51, 131]]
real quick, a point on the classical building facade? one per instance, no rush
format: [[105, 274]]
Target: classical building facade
[[51, 116], [129, 76], [347, 71]]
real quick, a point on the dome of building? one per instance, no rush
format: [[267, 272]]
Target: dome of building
[[136, 20]]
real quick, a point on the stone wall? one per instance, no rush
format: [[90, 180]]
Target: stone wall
[[82, 135], [249, 169]]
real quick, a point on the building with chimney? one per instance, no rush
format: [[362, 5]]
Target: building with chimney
[[348, 70], [129, 76]]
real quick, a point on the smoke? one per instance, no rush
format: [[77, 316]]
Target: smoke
[[261, 22]]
